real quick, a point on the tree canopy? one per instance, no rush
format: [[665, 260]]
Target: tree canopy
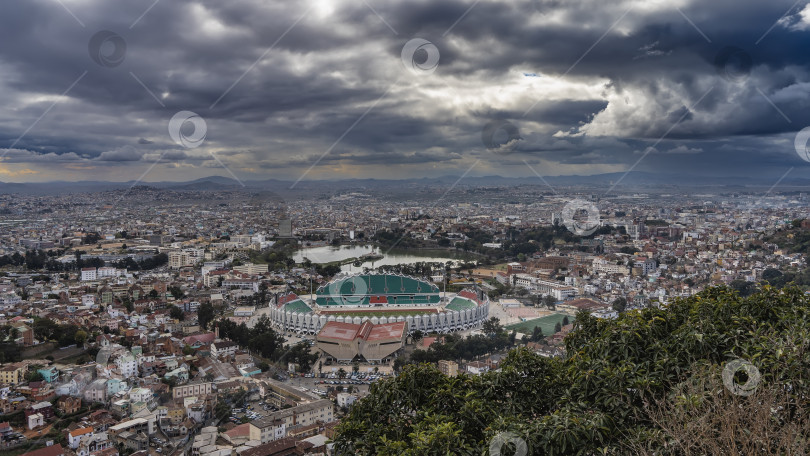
[[653, 381], [265, 341]]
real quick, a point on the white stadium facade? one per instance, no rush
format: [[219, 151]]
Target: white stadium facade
[[381, 299]]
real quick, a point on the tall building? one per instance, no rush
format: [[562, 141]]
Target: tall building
[[178, 259], [89, 274], [448, 368], [285, 228]]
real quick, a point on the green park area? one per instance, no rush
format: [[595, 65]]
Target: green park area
[[546, 324]]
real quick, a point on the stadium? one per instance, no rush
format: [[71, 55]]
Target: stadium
[[380, 299]]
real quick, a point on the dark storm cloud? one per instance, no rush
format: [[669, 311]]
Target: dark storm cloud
[[335, 80]]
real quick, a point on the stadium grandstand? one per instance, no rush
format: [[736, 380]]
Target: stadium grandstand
[[292, 303], [380, 299], [377, 290]]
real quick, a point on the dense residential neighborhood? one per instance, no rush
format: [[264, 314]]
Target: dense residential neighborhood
[[228, 328]]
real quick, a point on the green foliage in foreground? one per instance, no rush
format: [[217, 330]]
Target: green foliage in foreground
[[546, 324], [627, 386]]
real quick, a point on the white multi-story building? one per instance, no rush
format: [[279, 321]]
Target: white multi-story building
[[149, 358], [241, 239], [251, 269], [178, 259], [273, 426], [211, 279], [545, 287], [140, 395], [9, 300], [127, 365], [35, 420], [224, 348], [107, 271], [196, 255], [243, 284], [214, 264], [244, 311], [185, 257], [346, 399], [77, 435], [89, 274], [645, 264]]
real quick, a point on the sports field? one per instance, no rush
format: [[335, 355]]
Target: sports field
[[546, 324]]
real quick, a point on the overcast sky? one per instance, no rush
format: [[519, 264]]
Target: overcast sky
[[331, 89]]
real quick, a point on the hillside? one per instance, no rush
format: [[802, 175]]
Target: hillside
[[650, 382]]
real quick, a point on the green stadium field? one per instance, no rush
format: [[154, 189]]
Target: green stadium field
[[546, 324]]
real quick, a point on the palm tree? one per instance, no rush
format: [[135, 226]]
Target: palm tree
[[341, 373]]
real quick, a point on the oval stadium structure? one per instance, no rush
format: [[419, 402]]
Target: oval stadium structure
[[380, 299]]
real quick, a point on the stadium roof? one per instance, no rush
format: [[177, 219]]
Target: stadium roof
[[367, 331], [459, 303], [298, 306], [338, 330]]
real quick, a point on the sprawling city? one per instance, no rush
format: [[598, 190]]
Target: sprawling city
[[404, 228]]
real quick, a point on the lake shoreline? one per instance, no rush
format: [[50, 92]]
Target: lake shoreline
[[346, 255]]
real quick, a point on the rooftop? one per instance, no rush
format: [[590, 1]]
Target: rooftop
[[367, 331], [53, 450], [81, 431]]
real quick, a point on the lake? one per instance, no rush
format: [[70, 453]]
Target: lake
[[397, 256]]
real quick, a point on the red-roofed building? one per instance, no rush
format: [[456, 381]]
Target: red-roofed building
[[53, 450], [238, 435], [427, 342], [347, 341], [76, 436], [285, 298], [199, 340], [469, 295]]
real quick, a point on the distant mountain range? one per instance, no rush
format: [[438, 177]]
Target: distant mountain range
[[632, 182]]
